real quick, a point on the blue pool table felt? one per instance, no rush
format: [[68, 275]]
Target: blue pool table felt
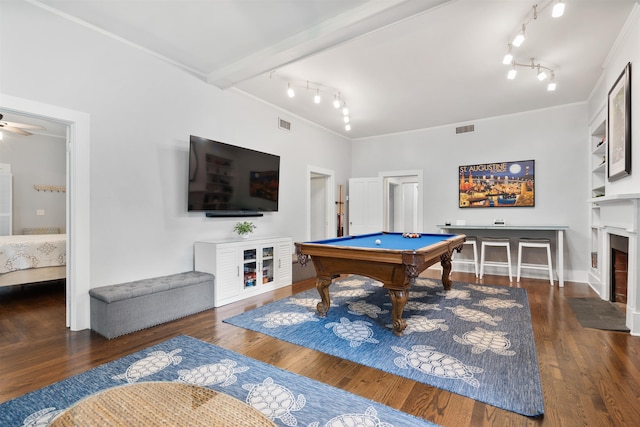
[[389, 241]]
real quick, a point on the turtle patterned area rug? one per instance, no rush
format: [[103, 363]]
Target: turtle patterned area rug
[[286, 398], [473, 340]]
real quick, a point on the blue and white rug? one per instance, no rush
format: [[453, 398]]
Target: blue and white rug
[[300, 401], [474, 340]]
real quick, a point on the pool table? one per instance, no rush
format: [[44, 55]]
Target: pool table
[[390, 258]]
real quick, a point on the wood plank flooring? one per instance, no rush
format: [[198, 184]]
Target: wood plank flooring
[[589, 377]]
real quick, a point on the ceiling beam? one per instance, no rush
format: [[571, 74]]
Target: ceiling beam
[[371, 16]]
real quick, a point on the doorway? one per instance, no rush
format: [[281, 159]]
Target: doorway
[[321, 208], [402, 201], [77, 202]]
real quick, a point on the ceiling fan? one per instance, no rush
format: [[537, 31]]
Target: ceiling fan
[[18, 128]]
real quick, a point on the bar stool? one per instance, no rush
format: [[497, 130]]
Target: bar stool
[[471, 241], [534, 243], [503, 242]]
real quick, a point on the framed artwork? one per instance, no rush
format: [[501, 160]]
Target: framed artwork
[[492, 185], [619, 126]]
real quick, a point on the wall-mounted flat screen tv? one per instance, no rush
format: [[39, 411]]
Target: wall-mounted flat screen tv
[[227, 180]]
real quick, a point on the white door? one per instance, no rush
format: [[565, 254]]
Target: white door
[[6, 209], [365, 206], [321, 205], [318, 211], [401, 204], [402, 201], [410, 207]]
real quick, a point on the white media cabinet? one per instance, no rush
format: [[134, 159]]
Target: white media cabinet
[[244, 268]]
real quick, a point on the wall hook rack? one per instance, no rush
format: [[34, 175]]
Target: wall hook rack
[[58, 188]]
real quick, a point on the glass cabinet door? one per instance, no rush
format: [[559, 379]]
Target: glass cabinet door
[[267, 264], [250, 267]]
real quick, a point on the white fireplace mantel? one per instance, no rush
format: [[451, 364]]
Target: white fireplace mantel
[[620, 216]]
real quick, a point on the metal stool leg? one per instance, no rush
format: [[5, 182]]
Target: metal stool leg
[[475, 258], [519, 262], [549, 260], [482, 251]]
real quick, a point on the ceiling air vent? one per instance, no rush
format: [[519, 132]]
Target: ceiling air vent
[[465, 129], [283, 124]]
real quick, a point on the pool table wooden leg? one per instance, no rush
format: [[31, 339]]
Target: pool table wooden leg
[[322, 284], [398, 301], [445, 261]]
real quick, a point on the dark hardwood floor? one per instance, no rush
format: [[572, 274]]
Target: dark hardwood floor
[[589, 377]]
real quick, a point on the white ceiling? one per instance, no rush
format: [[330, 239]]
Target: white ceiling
[[399, 64]]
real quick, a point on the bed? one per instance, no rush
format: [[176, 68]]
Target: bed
[[32, 258]]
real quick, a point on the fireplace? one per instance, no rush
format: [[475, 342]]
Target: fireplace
[[618, 253], [619, 268]]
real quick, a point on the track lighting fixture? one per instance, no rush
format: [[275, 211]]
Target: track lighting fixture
[[542, 71], [318, 90], [347, 127]]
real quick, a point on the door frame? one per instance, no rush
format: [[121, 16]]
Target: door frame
[[331, 222], [78, 277], [418, 174]]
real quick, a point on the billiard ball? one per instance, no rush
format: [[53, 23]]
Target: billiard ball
[[378, 241]]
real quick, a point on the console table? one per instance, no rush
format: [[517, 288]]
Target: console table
[[527, 230]]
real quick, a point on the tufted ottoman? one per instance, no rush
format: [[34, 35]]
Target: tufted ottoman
[[127, 307]]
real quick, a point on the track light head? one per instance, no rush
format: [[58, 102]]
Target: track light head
[[317, 99], [512, 73], [552, 84], [558, 9], [508, 58], [519, 39], [336, 100], [541, 74], [290, 91]]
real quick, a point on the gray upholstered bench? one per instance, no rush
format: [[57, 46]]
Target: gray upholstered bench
[[127, 307]]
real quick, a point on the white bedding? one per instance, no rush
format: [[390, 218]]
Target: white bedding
[[23, 252]]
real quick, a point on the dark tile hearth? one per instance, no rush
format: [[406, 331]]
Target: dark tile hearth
[[596, 313]]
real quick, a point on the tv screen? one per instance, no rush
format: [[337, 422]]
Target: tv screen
[[227, 179]]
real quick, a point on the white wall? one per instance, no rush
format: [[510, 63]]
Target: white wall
[[142, 111], [627, 49], [36, 159], [555, 138]]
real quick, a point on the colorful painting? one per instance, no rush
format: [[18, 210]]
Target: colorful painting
[[490, 185]]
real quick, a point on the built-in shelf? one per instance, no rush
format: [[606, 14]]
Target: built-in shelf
[[598, 160], [598, 164]]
